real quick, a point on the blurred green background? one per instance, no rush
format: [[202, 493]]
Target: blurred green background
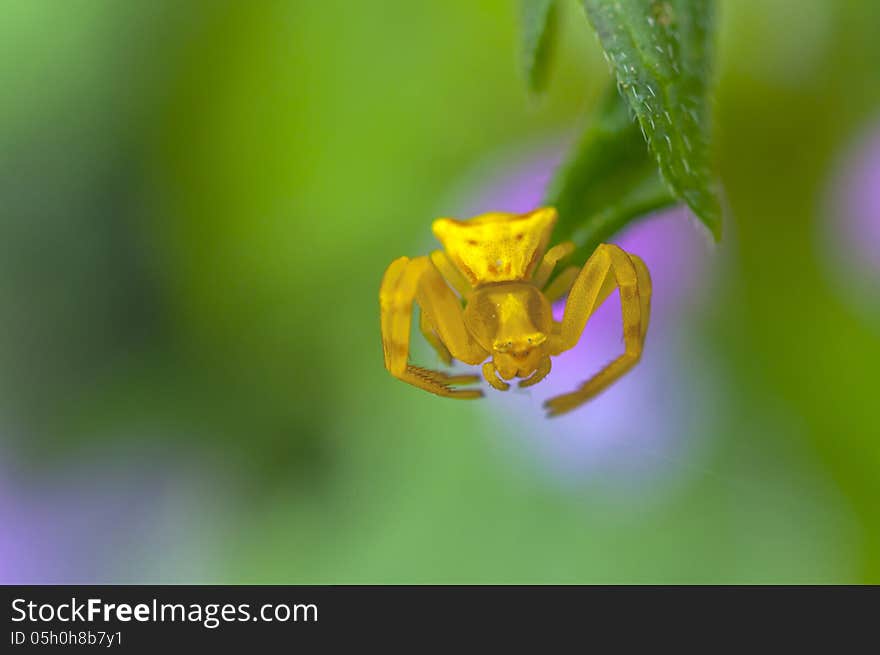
[[198, 201]]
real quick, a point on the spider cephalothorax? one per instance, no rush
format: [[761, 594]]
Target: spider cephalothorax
[[485, 300]]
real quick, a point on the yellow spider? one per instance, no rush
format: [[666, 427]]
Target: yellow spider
[[485, 298]]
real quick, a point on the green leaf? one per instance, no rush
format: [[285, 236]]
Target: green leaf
[[659, 51], [539, 27], [609, 180]]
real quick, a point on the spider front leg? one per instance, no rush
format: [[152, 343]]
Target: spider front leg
[[431, 337], [607, 268], [553, 256], [409, 280], [559, 287], [458, 282]]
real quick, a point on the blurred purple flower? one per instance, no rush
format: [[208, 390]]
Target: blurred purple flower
[[92, 522], [849, 234], [860, 202], [854, 224], [641, 426]]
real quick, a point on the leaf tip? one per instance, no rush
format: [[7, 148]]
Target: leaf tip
[[539, 26]]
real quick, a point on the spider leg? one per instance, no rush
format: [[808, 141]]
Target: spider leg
[[431, 337], [607, 268], [548, 263], [444, 311], [560, 286], [451, 273], [405, 281], [644, 278]]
